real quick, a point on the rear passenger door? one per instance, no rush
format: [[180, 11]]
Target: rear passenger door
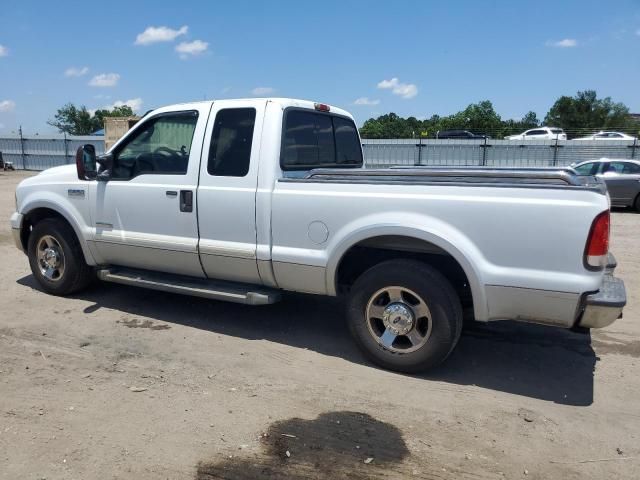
[[622, 179], [227, 191]]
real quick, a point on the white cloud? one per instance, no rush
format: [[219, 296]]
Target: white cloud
[[565, 43], [191, 48], [159, 34], [105, 80], [365, 101], [76, 71], [4, 51], [7, 105], [404, 90], [261, 91], [134, 103]]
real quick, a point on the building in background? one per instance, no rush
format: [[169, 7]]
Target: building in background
[[115, 128]]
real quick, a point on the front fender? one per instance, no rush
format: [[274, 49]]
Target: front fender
[[419, 227], [64, 207]]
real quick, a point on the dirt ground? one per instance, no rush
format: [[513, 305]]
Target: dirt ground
[[119, 382]]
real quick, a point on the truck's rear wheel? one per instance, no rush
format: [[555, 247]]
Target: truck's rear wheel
[[56, 258], [404, 315]]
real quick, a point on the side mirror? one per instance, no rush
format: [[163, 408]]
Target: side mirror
[[86, 162]]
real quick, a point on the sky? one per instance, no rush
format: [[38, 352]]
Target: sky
[[409, 57]]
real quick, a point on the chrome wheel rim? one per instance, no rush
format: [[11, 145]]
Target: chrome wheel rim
[[398, 319], [50, 258]]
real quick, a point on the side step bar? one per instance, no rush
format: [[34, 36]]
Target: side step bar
[[215, 290]]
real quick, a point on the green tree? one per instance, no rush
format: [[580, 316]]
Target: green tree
[[586, 112], [478, 117], [391, 125], [79, 121]]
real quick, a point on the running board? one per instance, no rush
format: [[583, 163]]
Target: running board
[[215, 290]]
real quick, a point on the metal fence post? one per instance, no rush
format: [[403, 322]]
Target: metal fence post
[[633, 148], [419, 150], [484, 152], [66, 148], [555, 153], [22, 155]]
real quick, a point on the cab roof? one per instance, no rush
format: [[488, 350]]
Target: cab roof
[[281, 101]]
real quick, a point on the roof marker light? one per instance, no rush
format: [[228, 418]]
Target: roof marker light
[[321, 107]]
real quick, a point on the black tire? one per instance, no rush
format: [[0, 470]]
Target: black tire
[[433, 289], [76, 273], [636, 204]]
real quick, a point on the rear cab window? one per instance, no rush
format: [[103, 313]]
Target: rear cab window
[[313, 139]]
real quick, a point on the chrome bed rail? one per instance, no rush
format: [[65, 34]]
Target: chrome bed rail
[[504, 177]]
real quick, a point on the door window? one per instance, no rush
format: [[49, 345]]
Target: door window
[[230, 150], [624, 167], [586, 168], [160, 146]]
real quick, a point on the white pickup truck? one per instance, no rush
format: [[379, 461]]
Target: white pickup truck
[[239, 200]]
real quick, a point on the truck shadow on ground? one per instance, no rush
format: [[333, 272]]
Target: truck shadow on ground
[[333, 445], [532, 360]]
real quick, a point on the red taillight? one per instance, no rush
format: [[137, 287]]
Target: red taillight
[[595, 255], [321, 107]]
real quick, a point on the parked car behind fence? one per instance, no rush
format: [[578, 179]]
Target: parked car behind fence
[[622, 177], [541, 133], [459, 135], [602, 135]]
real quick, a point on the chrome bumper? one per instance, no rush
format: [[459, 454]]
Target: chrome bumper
[[605, 306], [16, 229]]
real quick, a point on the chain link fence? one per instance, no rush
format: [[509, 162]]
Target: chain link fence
[[39, 153]]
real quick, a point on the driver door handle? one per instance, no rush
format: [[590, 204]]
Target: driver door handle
[[186, 201]]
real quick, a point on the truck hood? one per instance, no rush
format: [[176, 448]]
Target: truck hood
[[63, 173]]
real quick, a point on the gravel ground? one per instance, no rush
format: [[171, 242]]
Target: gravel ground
[[119, 382]]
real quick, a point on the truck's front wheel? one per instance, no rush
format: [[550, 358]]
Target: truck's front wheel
[[56, 258], [404, 315]]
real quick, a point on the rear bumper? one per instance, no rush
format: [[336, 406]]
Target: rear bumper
[[16, 229], [604, 307]]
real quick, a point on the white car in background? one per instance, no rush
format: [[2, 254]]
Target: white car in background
[[602, 135], [540, 133]]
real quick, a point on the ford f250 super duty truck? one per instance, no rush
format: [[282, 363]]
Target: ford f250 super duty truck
[[240, 200]]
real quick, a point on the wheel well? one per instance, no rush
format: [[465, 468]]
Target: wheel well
[[367, 253], [32, 218]]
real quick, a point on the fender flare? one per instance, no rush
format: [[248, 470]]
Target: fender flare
[[70, 216], [418, 233]]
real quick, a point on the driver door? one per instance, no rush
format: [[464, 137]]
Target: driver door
[[145, 215]]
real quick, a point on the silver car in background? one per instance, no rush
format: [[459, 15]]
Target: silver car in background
[[621, 176]]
